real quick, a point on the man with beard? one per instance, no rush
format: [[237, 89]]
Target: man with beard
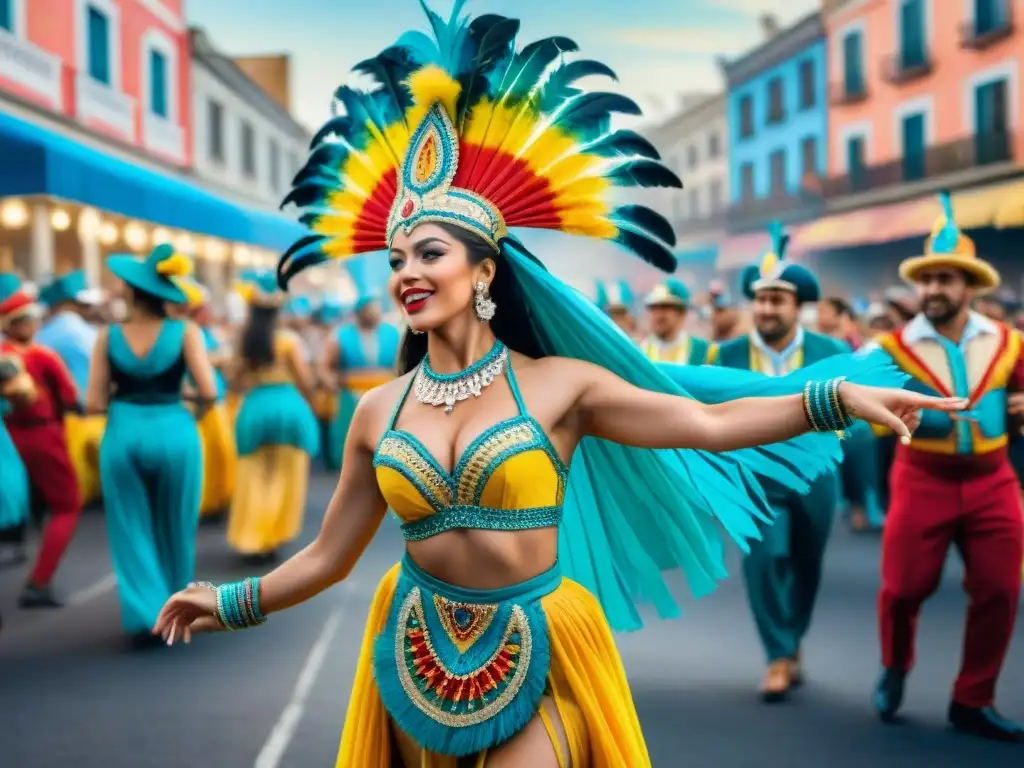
[[954, 484], [783, 571], [667, 307], [615, 298]]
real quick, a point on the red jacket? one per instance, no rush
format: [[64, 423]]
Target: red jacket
[[56, 391]]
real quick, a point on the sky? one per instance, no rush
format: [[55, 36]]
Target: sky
[[659, 48]]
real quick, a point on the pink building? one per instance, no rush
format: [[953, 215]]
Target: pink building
[[924, 94], [119, 68]]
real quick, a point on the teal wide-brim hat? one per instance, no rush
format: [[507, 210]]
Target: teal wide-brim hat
[[164, 273], [73, 287], [774, 273], [614, 295], [669, 293]]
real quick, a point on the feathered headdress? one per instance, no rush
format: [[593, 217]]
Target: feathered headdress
[[948, 246], [462, 128], [773, 271]]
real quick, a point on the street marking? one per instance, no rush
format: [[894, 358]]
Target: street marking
[[284, 729], [90, 593]]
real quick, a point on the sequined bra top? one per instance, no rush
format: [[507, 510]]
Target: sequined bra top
[[509, 478]]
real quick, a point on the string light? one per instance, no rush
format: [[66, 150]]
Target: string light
[[14, 214], [60, 220]]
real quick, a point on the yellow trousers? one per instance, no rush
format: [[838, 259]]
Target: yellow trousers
[[219, 460], [270, 496], [586, 679], [84, 435]]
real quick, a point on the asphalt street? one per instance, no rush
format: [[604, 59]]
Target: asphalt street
[[72, 693]]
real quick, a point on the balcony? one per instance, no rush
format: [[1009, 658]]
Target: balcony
[[96, 101], [782, 204], [904, 67], [988, 30], [31, 68], [847, 93], [964, 155], [163, 137]]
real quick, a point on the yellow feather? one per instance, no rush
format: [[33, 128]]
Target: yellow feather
[[193, 293], [585, 190], [571, 168], [246, 291], [175, 265], [430, 85], [940, 222], [768, 263], [586, 223]]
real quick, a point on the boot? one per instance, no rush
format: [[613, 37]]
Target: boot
[[889, 694], [33, 596], [984, 722]]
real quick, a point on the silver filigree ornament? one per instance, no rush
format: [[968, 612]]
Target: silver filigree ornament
[[483, 305], [434, 389]]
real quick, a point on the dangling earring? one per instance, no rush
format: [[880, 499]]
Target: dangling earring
[[482, 303]]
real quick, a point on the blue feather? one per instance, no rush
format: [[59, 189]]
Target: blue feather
[[646, 220]]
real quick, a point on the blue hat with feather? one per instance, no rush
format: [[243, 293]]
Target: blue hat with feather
[[947, 247], [72, 287], [331, 310], [614, 295], [669, 293], [773, 272]]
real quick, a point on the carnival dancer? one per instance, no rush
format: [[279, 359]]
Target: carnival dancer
[[15, 385], [954, 483], [36, 426], [151, 461], [783, 571], [360, 356], [276, 431], [476, 637], [70, 332], [615, 298], [667, 306], [220, 458]]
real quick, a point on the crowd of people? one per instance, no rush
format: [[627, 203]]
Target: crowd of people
[[536, 517]]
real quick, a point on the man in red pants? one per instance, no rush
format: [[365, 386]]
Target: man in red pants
[[36, 426], [954, 484]]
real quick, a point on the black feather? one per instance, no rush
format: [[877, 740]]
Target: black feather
[[560, 84], [300, 256], [643, 173], [494, 37], [340, 125], [390, 69], [589, 114], [623, 143], [646, 219], [307, 193], [648, 249]]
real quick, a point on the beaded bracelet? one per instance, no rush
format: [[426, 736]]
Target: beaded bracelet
[[824, 408], [238, 604]]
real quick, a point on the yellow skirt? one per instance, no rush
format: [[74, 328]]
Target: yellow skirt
[[325, 404], [270, 495], [232, 404], [84, 435], [220, 460], [585, 678]]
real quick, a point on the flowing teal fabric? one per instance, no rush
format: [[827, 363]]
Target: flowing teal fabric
[[276, 414], [632, 513], [151, 471], [14, 497]]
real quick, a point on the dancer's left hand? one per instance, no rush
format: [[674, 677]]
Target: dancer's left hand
[[896, 409]]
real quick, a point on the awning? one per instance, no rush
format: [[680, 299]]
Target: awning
[[998, 205], [37, 161]]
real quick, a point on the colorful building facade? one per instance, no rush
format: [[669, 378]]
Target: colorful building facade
[[777, 112]]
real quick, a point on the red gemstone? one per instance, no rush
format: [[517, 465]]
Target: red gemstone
[[407, 207]]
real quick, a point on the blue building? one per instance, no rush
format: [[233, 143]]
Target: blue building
[[777, 110]]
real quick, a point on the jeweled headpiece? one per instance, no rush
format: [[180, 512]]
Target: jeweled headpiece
[[461, 128]]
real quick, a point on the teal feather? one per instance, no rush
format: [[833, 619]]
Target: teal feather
[[946, 239], [391, 69], [622, 143], [646, 247], [588, 115], [304, 253], [525, 77], [779, 239], [340, 125], [645, 220], [643, 173], [496, 38], [561, 82]]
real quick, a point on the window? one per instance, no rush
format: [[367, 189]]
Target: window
[[776, 108], [715, 194], [248, 150], [275, 166], [853, 64], [808, 159], [714, 145], [215, 117], [989, 15], [912, 34], [98, 26], [913, 147], [855, 161], [746, 117], [158, 78], [746, 182], [992, 141], [777, 172], [691, 157], [694, 203], [808, 96], [7, 15]]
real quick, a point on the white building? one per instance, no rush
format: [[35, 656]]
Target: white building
[[246, 142]]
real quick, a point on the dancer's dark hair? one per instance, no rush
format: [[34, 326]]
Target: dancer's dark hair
[[511, 323], [258, 337], [149, 302]]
